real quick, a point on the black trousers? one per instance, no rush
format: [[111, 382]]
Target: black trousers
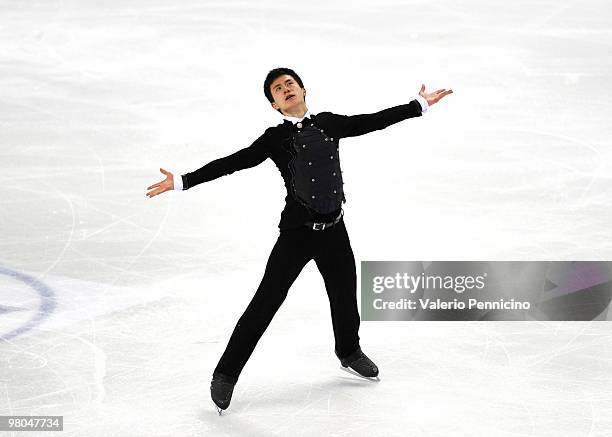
[[331, 250]]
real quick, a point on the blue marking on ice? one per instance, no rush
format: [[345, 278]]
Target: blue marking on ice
[[47, 303]]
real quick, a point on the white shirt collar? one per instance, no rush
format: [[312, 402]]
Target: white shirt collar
[[296, 119]]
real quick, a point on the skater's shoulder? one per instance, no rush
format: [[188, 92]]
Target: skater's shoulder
[[325, 116], [278, 129]]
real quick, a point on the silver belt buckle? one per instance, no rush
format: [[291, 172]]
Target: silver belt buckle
[[314, 226]]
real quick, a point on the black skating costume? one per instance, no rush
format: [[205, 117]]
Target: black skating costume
[[311, 225]]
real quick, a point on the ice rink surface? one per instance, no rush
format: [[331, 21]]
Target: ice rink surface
[[115, 308]]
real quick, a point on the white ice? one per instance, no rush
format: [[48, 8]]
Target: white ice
[[143, 293]]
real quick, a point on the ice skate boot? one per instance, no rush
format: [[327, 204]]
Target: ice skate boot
[[360, 365], [221, 389]]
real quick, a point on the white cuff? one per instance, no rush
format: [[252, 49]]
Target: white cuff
[[422, 102], [178, 182]]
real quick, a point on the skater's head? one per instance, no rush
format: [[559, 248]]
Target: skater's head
[[285, 91]]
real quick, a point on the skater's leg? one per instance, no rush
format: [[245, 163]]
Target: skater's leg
[[336, 262], [289, 255]]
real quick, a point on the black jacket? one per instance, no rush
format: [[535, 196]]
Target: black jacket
[[280, 143]]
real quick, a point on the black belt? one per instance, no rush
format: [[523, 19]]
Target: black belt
[[319, 226]]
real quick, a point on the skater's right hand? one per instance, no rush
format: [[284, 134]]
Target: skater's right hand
[[163, 186]]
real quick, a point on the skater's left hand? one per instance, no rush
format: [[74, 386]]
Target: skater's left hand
[[435, 96]]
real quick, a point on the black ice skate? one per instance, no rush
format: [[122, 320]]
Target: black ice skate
[[359, 364], [221, 389]]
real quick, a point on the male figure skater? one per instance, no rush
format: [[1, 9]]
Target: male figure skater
[[305, 149]]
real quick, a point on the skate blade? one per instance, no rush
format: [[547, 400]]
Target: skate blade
[[219, 410], [352, 372]]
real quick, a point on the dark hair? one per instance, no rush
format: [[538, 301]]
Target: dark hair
[[273, 75]]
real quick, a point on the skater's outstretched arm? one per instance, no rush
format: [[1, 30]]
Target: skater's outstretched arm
[[354, 125], [248, 157]]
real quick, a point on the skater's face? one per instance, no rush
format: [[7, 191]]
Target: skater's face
[[287, 94]]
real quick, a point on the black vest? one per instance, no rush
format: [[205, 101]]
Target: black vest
[[315, 168]]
